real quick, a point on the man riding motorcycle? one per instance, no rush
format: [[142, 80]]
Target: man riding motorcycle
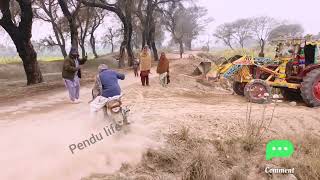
[[106, 83], [107, 92]]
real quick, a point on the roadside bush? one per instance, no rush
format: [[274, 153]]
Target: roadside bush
[[255, 126]]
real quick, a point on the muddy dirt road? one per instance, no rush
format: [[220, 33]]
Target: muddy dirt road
[[35, 134]]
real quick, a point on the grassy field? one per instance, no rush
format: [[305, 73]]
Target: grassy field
[[16, 59], [227, 53]]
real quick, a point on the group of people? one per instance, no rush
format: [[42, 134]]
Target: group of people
[[144, 64], [106, 83]]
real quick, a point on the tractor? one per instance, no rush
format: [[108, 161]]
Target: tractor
[[294, 71]]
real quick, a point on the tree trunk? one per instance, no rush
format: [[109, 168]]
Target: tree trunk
[[93, 45], [72, 22], [29, 58], [181, 48], [122, 54], [126, 19], [83, 51], [152, 39], [150, 29], [262, 45], [21, 37], [155, 51], [242, 44], [188, 44], [63, 50], [112, 47], [30, 64], [129, 47], [230, 47], [144, 40], [135, 41], [61, 42], [74, 33], [128, 12]]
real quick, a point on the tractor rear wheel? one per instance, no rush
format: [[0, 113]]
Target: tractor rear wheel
[[257, 91], [238, 88], [310, 88]]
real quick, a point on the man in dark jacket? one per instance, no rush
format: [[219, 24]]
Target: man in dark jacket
[[71, 74]]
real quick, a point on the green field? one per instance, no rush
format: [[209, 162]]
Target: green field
[[16, 59]]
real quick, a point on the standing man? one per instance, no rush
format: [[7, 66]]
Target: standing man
[[71, 74], [145, 66]]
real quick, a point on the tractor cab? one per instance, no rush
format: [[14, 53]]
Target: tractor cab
[[299, 55]]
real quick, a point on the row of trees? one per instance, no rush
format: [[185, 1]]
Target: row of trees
[[261, 29], [142, 22]]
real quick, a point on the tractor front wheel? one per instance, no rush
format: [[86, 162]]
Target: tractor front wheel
[[257, 91], [310, 88], [238, 88]]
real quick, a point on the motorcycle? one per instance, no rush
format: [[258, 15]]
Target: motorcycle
[[114, 110]]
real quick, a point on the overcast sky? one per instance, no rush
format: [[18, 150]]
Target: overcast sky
[[294, 11], [305, 12]]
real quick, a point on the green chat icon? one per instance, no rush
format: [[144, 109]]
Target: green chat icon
[[279, 149]]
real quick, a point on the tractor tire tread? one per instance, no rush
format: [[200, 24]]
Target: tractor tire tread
[[307, 88]]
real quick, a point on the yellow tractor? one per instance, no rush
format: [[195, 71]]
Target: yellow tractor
[[294, 70]]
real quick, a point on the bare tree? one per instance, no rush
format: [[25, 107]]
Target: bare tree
[[261, 28], [183, 23], [224, 33], [159, 36], [123, 9], [21, 35], [84, 18], [148, 12], [110, 37], [286, 31], [241, 30], [97, 21], [317, 36], [208, 41], [48, 10], [71, 15], [195, 24], [137, 33], [174, 19]]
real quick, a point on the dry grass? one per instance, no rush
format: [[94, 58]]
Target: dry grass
[[189, 158], [306, 158], [201, 167], [237, 174], [227, 53], [255, 126], [183, 157], [192, 158], [165, 160]]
